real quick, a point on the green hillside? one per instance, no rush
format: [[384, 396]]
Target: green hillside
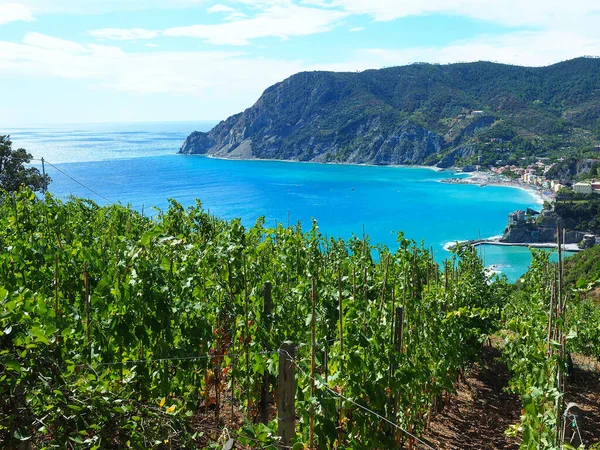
[[421, 113]]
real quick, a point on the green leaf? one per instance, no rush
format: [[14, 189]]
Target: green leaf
[[259, 364], [12, 364], [308, 320], [20, 435], [38, 333]]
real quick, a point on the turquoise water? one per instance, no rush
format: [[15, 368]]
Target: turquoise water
[[511, 261], [136, 164]]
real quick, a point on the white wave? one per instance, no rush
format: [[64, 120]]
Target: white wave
[[448, 245]]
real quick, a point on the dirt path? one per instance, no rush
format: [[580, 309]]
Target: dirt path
[[478, 416], [584, 389]]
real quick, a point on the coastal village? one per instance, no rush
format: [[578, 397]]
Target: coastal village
[[529, 176], [538, 228]]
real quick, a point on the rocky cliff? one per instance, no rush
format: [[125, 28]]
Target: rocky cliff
[[544, 230]]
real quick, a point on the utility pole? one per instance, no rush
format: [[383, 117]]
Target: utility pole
[[44, 176]]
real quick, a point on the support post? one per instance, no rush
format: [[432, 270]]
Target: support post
[[45, 187], [86, 283], [56, 312], [399, 328], [264, 393], [286, 407], [311, 431]]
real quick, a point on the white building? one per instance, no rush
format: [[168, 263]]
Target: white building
[[582, 188]]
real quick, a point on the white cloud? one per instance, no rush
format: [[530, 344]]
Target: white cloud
[[43, 41], [89, 7], [236, 16], [45, 56], [221, 83], [14, 12], [232, 14], [219, 8], [221, 73], [520, 48], [198, 74], [122, 34], [355, 29], [106, 51], [507, 12], [274, 21]]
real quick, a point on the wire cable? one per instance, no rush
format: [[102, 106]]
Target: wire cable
[[337, 394], [183, 358], [76, 181]]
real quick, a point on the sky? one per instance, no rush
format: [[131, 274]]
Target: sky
[[77, 61]]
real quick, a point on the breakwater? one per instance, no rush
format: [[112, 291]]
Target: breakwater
[[478, 242]]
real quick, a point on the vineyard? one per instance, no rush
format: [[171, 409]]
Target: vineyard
[[123, 331]]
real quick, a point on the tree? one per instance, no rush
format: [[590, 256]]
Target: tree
[[13, 172]]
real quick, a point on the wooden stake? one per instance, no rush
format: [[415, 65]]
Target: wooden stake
[[354, 283], [311, 434], [560, 337], [234, 332], [86, 284], [286, 387], [246, 337], [385, 279], [551, 319], [56, 288], [264, 394], [399, 329], [341, 318]]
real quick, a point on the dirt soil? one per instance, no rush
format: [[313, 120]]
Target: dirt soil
[[584, 389], [478, 415]]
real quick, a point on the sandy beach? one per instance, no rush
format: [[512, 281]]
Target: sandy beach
[[491, 179]]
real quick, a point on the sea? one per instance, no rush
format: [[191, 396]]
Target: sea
[[137, 164]]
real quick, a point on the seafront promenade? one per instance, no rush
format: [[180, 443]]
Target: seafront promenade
[[491, 179], [496, 241]]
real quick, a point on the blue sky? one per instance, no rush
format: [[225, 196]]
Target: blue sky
[[67, 61]]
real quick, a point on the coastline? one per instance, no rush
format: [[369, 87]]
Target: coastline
[[407, 166], [488, 179]]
